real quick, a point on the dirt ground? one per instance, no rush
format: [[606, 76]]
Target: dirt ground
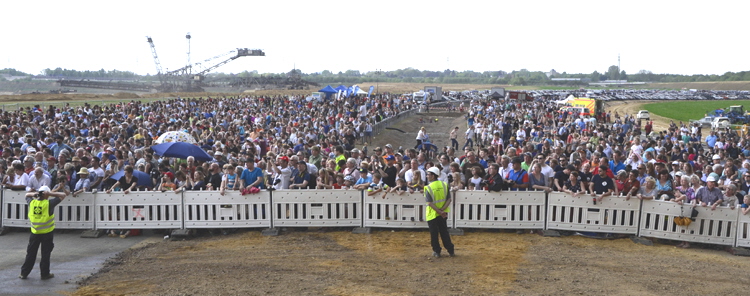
[[385, 262], [399, 263]]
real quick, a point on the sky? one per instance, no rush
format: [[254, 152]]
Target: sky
[[676, 37]]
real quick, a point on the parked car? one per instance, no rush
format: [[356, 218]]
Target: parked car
[[643, 114], [720, 122], [704, 122]]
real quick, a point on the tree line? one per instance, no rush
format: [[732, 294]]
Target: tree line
[[516, 77]]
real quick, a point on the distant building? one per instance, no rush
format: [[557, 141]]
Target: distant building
[[584, 80]]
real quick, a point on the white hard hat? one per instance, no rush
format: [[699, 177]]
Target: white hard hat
[[434, 170], [44, 188]]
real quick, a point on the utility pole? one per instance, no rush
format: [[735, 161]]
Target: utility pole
[[618, 66]]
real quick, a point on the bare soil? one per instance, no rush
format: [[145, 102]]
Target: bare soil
[[399, 263]]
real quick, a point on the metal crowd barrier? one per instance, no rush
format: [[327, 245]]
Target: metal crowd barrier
[[352, 208], [612, 215]]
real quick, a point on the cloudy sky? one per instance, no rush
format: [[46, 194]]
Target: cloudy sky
[[680, 37]]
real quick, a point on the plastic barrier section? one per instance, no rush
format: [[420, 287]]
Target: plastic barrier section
[[397, 211], [138, 210], [612, 215], [209, 209], [507, 209], [15, 209], [317, 208], [743, 229], [713, 227], [76, 212]]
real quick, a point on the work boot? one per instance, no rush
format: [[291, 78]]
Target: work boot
[[23, 277], [436, 254], [49, 276]]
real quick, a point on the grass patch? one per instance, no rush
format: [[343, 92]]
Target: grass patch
[[687, 110]]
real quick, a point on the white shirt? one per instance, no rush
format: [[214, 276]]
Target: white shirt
[[409, 175], [285, 176]]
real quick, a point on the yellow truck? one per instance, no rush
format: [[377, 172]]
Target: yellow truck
[[595, 106]]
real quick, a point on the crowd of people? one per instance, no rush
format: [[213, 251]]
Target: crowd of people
[[287, 142]]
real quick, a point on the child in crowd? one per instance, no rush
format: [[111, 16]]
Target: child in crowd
[[377, 185], [745, 205], [339, 181], [348, 182], [475, 181], [399, 189], [416, 184]]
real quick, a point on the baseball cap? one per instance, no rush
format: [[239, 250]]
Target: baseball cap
[[388, 146], [284, 158], [715, 157], [676, 162], [390, 157], [710, 179]]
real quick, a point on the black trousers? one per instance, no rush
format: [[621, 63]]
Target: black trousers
[[437, 226], [47, 245]]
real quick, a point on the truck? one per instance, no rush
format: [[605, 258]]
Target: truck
[[421, 97], [497, 93], [595, 106], [519, 95]]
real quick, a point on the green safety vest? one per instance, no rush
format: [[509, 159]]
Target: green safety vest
[[41, 221], [439, 192]]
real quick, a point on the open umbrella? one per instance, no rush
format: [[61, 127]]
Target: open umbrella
[[143, 178], [181, 150], [175, 136]]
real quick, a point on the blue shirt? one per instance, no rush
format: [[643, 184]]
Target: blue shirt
[[616, 167], [251, 176], [711, 141], [364, 179]]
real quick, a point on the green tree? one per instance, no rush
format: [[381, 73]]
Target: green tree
[[613, 72]]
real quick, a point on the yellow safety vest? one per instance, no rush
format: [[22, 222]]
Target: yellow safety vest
[[439, 192], [337, 159], [41, 221]]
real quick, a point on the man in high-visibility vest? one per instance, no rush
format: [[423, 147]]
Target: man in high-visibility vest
[[42, 217], [438, 200]]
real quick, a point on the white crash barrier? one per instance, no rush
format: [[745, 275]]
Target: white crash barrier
[[317, 208], [138, 210], [743, 230], [209, 209], [15, 209], [710, 226], [507, 209], [76, 212], [396, 211], [613, 214]]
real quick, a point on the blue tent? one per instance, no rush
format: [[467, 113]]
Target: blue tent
[[341, 88], [328, 90]]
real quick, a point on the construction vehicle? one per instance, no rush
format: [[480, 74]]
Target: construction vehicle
[[180, 80]]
